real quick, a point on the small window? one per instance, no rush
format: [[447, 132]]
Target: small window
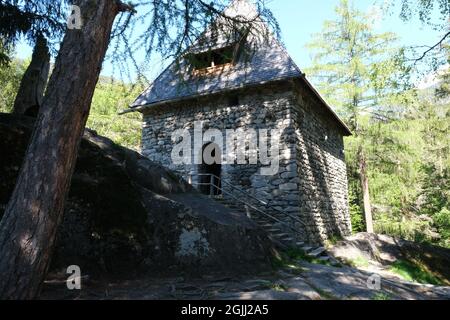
[[211, 59]]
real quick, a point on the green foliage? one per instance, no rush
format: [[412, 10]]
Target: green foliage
[[10, 76], [441, 221], [289, 259], [333, 240], [356, 212], [358, 262], [278, 287], [295, 254], [402, 132], [356, 68], [26, 20], [381, 296], [413, 272], [410, 227], [109, 99], [283, 261]]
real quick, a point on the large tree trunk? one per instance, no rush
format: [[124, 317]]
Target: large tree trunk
[[32, 87], [35, 210], [364, 179]]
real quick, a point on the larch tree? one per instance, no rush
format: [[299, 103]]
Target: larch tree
[[435, 188], [35, 210], [359, 72]]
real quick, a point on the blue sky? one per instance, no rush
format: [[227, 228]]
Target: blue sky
[[299, 19]]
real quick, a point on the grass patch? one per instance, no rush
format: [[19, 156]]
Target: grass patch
[[288, 259], [278, 287], [412, 272], [284, 262], [381, 296], [358, 262], [298, 254], [333, 240]]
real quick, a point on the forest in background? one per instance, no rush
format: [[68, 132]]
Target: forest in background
[[111, 96], [401, 130], [400, 146]]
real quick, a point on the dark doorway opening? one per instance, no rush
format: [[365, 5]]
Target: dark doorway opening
[[211, 170]]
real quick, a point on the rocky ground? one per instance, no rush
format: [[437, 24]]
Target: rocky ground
[[294, 279], [299, 281], [128, 218], [379, 253]]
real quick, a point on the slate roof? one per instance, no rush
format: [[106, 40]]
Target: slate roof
[[269, 62]]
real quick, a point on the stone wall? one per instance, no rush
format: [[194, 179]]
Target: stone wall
[[273, 106], [321, 168], [263, 108]]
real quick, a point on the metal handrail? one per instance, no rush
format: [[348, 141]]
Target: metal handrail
[[247, 204], [252, 197], [233, 187]]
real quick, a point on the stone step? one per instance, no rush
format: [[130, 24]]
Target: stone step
[[299, 244], [264, 222], [307, 249], [268, 227], [317, 252], [281, 234], [286, 241], [324, 258]]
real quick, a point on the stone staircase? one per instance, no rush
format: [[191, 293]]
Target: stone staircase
[[277, 235], [239, 200]]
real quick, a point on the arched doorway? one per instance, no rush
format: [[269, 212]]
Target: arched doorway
[[211, 170]]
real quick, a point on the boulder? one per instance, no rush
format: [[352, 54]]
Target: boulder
[[126, 215]]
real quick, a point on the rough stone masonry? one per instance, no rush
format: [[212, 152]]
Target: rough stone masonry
[[266, 92], [312, 180]]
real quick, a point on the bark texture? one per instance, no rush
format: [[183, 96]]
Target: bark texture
[[35, 210], [32, 87]]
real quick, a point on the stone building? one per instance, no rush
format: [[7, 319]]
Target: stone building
[[220, 87]]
